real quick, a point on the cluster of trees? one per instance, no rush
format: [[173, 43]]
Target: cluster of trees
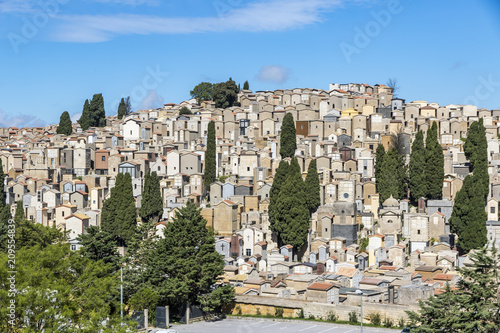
[[93, 114], [224, 94], [468, 219], [423, 175], [292, 200], [472, 307]]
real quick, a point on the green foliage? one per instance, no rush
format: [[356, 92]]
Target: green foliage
[[301, 314], [388, 322], [84, 120], [2, 185], [246, 86], [5, 216], [375, 318], [434, 164], [257, 311], [65, 126], [278, 310], [187, 257], [418, 185], [124, 107], [203, 92], [217, 299], [353, 317], [184, 110], [210, 172], [152, 202], [29, 234], [119, 216], [97, 112], [401, 322], [332, 317], [312, 187], [288, 138], [99, 245], [59, 291], [145, 298], [473, 307], [278, 181], [468, 219], [19, 215], [311, 317], [225, 94], [379, 160], [292, 215], [393, 176], [363, 244]]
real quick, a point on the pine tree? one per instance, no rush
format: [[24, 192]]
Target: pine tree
[[288, 138], [99, 245], [379, 160], [151, 203], [278, 181], [65, 126], [97, 112], [312, 187], [417, 168], [434, 164], [293, 215], [187, 256], [122, 109], [246, 86], [84, 120], [210, 163]]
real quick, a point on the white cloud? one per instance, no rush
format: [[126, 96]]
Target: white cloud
[[20, 120], [274, 73], [15, 6], [132, 2], [76, 117], [274, 15], [151, 101]]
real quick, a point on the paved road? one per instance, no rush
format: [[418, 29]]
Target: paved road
[[257, 325]]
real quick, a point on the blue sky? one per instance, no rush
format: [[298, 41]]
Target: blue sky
[[56, 53]]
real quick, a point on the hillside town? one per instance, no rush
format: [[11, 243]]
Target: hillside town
[[394, 251]]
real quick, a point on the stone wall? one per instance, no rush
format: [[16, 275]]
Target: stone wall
[[248, 305]]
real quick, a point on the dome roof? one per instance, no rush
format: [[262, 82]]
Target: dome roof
[[391, 202]]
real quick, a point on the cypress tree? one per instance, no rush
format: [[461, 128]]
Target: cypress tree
[[2, 185], [417, 184], [97, 112], [84, 120], [288, 138], [434, 164], [468, 219], [126, 217], [19, 217], [122, 109], [312, 187], [65, 126], [293, 215], [151, 203], [379, 160], [5, 216], [110, 208], [246, 86], [210, 163], [278, 181], [393, 176]]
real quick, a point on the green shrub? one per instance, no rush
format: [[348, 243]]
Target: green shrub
[[332, 317], [375, 318], [257, 311], [311, 317], [278, 312], [238, 310], [301, 314], [401, 322], [388, 322], [353, 317]]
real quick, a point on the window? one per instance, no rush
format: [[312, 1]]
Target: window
[[73, 247], [248, 168], [63, 214], [418, 232], [159, 168], [492, 210], [103, 158], [346, 195], [249, 252], [439, 209]]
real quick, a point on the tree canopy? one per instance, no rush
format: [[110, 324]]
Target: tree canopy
[[434, 164], [184, 110], [65, 126], [152, 202], [210, 172], [312, 187], [225, 94], [97, 112], [288, 138], [246, 86], [84, 120], [203, 92], [418, 188]]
